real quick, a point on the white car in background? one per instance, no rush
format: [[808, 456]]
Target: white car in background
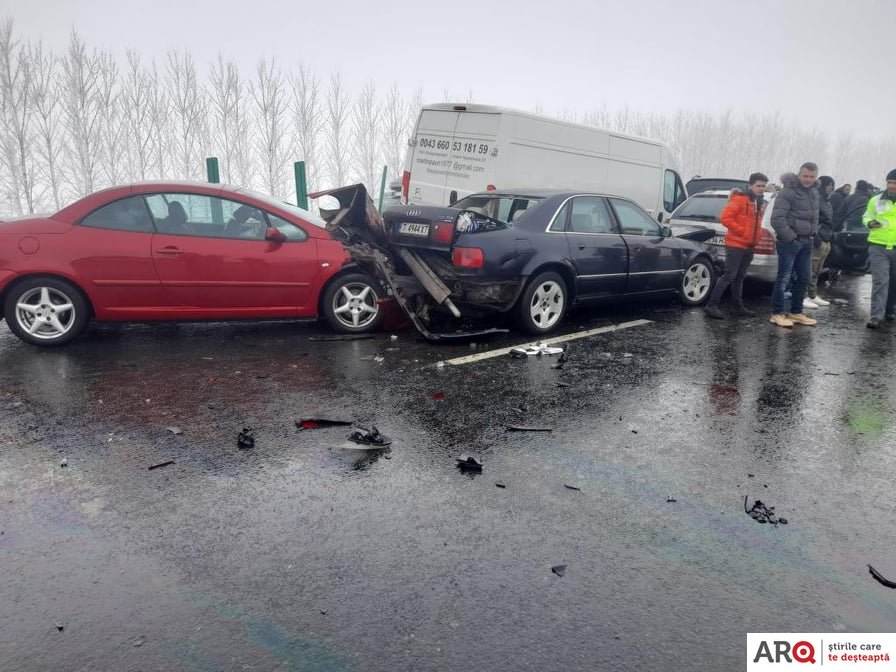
[[706, 207]]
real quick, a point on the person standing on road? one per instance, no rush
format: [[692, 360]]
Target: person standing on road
[[742, 216], [880, 218], [822, 243], [838, 200], [795, 221]]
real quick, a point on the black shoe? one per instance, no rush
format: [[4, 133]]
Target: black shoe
[[714, 313], [873, 323], [743, 311], [889, 317]]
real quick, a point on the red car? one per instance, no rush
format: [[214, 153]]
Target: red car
[[177, 251]]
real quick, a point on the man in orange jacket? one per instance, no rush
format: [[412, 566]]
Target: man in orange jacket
[[743, 219]]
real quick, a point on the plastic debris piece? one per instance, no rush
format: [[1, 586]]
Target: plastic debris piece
[[246, 438], [537, 350], [314, 423], [379, 359], [627, 355], [563, 385], [64, 462], [440, 365], [439, 396], [572, 487], [59, 627], [369, 437], [763, 513], [342, 337], [393, 337], [160, 464], [559, 570], [520, 428], [469, 462], [671, 500], [177, 431], [139, 641], [880, 578], [500, 485]]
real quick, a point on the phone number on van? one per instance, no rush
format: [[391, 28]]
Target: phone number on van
[[454, 146]]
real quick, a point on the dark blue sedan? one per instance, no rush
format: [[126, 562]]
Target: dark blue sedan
[[535, 252]]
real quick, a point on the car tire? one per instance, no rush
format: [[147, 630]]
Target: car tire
[[46, 311], [350, 304], [543, 303], [696, 282]]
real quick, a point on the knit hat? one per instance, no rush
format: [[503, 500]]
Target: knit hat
[[862, 186], [825, 181], [891, 175]]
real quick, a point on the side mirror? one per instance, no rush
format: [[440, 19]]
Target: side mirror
[[666, 231], [274, 235]]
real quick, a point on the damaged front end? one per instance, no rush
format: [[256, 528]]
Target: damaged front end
[[414, 278]]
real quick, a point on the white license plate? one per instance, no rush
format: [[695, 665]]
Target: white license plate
[[414, 228], [717, 240]]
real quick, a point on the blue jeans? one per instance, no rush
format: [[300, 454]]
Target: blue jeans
[[795, 256]]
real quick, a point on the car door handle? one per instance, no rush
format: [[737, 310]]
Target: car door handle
[[169, 250]]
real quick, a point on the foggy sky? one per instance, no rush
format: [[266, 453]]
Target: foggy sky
[[827, 68]]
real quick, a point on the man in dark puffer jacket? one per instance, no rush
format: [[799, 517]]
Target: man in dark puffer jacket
[[795, 221], [822, 240]]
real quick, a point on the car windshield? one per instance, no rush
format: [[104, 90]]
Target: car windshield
[[697, 185], [704, 208], [504, 208], [301, 213]]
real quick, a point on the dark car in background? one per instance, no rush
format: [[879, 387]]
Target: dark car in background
[[533, 253]]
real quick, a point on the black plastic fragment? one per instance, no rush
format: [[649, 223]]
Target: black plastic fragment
[[763, 513], [572, 487], [500, 485], [314, 423], [246, 438], [559, 570], [563, 384], [520, 428], [467, 462], [160, 464], [880, 578], [369, 437]]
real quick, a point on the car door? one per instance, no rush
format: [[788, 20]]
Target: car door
[[212, 256], [655, 262], [598, 252], [111, 255]]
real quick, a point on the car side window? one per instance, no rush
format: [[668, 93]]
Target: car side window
[[633, 220], [127, 214], [288, 229], [589, 214], [206, 216], [559, 223]]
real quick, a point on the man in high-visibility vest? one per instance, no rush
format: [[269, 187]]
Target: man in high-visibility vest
[[880, 218]]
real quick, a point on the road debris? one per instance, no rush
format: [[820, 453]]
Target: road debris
[[369, 437], [561, 384], [671, 500], [880, 578], [521, 428], [139, 641], [342, 337], [467, 462], [572, 487], [314, 423], [559, 570], [762, 513], [500, 485], [59, 627], [177, 431], [561, 360], [537, 350], [246, 438], [160, 464], [438, 396], [64, 462]]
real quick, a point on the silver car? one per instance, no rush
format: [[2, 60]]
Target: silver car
[[706, 208]]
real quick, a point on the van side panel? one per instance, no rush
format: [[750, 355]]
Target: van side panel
[[430, 156], [474, 153]]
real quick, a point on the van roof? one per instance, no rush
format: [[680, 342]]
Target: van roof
[[495, 109]]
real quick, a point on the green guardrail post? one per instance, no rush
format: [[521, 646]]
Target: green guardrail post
[[211, 167], [301, 185], [383, 187]]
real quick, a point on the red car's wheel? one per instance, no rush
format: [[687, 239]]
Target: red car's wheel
[[350, 304], [46, 311]]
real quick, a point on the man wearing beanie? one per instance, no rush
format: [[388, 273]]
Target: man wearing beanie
[[880, 218], [822, 243], [795, 221]]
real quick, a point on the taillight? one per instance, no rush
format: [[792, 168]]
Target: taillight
[[490, 187], [443, 232], [405, 185], [766, 244], [468, 257]]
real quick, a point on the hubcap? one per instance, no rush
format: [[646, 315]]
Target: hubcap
[[547, 304], [355, 305], [45, 313], [696, 282]]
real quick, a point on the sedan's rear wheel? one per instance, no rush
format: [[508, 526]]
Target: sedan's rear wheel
[[543, 304], [46, 311], [696, 283], [351, 305]]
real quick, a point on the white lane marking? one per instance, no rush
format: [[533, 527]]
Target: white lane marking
[[478, 357]]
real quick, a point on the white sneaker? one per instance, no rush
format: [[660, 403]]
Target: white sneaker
[[819, 301], [809, 303]]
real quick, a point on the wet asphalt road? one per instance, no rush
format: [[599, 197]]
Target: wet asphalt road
[[305, 553]]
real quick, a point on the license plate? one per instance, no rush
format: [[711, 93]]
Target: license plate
[[414, 228], [717, 240]]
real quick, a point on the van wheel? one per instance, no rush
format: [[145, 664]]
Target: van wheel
[[543, 304], [350, 304], [696, 283], [46, 311]]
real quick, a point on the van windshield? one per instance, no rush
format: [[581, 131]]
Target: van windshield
[[504, 208]]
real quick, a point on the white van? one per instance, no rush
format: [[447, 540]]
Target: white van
[[460, 149]]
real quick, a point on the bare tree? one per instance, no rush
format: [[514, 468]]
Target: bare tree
[[49, 146], [188, 109], [308, 120], [231, 123], [17, 108], [161, 151], [337, 131], [268, 94], [136, 98], [113, 126], [395, 126], [81, 73], [366, 137]]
